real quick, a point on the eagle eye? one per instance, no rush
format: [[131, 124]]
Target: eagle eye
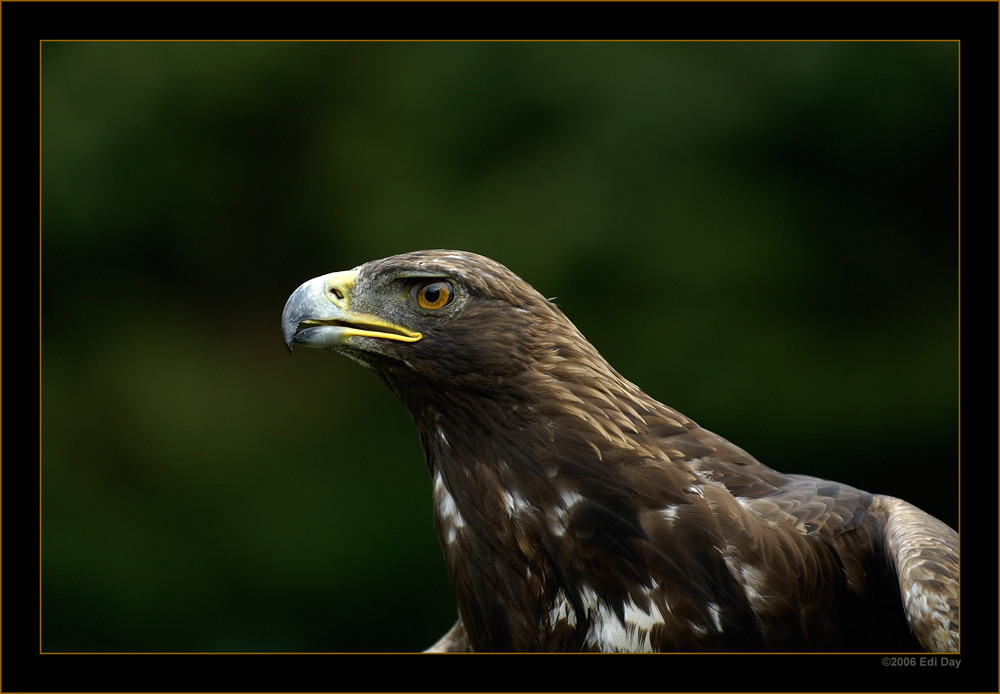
[[433, 294]]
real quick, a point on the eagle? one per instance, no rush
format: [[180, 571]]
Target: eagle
[[577, 513]]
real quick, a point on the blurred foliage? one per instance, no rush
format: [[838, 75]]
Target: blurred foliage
[[763, 235]]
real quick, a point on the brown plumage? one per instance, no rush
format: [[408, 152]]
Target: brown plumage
[[576, 513]]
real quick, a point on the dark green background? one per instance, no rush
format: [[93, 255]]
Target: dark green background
[[762, 235]]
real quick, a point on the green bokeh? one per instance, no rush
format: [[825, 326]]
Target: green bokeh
[[763, 235]]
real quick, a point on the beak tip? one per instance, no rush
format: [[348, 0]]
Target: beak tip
[[287, 334]]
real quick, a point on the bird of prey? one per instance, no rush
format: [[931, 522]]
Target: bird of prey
[[577, 513]]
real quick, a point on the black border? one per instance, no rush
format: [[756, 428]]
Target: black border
[[974, 24]]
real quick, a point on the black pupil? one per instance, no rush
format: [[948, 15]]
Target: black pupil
[[432, 293]]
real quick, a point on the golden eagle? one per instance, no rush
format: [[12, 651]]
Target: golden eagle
[[576, 513]]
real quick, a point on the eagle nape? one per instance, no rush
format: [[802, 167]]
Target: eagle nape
[[577, 513]]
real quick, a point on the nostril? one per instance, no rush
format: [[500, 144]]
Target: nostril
[[337, 293]]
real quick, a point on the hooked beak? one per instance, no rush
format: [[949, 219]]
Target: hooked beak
[[318, 314]]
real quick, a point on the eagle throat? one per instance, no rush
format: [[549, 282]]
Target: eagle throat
[[526, 471]]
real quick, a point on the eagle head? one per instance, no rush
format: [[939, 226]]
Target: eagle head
[[441, 318]]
